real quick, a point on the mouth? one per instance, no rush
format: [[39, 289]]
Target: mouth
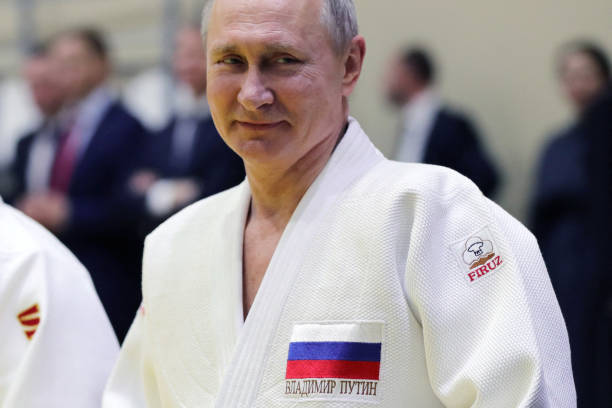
[[260, 126]]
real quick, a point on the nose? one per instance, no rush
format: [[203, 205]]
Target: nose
[[254, 94]]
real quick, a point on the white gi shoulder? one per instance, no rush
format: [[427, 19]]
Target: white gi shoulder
[[450, 195], [205, 210], [421, 179], [22, 237], [52, 323], [473, 272], [186, 236]]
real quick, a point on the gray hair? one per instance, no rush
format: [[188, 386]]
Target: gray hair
[[339, 16]]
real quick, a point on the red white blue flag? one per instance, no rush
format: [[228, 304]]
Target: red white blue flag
[[335, 350]]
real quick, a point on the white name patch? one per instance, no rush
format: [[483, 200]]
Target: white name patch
[[336, 361]]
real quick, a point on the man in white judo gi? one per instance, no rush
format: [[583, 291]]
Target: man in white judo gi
[[57, 347], [331, 276]]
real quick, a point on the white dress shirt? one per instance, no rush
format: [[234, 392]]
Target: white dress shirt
[[418, 117], [42, 155], [87, 115], [189, 109]]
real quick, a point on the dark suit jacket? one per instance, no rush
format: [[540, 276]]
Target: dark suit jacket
[[598, 128], [571, 219], [18, 167], [212, 164], [102, 229], [453, 142], [573, 234]]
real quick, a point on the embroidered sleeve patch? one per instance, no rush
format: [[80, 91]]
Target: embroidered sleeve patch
[[477, 255], [334, 361], [29, 319]]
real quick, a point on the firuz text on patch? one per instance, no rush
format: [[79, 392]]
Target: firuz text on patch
[[478, 255]]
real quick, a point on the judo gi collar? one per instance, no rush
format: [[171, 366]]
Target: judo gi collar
[[354, 156]]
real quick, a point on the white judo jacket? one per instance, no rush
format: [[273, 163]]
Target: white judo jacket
[[393, 285], [57, 347]]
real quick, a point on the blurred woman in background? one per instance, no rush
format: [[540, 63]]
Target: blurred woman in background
[[563, 222]]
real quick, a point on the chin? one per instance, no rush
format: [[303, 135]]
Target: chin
[[262, 152], [255, 148]]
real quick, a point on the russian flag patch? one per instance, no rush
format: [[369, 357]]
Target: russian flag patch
[[336, 360]]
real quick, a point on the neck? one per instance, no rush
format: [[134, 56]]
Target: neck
[[50, 113], [276, 192], [83, 95], [417, 93]]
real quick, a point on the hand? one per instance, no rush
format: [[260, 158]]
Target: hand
[[51, 209], [142, 181], [169, 195], [185, 191]]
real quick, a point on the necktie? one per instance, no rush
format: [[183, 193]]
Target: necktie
[[65, 159]]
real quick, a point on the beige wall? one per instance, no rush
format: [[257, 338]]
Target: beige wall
[[134, 27], [496, 63]]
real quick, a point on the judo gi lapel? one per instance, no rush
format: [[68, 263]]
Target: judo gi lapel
[[353, 157], [193, 297]]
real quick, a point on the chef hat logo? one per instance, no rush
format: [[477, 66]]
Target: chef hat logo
[[475, 249]]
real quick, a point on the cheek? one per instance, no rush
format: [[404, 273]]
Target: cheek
[[314, 103], [313, 92], [220, 92], [592, 83]]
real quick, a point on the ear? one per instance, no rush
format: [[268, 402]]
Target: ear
[[353, 62]]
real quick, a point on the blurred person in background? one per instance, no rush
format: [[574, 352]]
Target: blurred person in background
[[565, 201], [432, 133], [58, 346], [187, 160], [597, 123], [19, 116], [86, 202], [35, 151]]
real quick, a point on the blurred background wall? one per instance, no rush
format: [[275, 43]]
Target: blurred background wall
[[496, 60]]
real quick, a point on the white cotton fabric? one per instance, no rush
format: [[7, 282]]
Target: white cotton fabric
[[371, 241], [68, 359]]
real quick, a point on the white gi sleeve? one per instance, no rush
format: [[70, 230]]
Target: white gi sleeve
[[57, 345], [493, 332]]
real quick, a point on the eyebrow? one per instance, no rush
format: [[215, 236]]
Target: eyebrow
[[268, 49]]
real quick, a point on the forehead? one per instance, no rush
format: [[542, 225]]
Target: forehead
[[69, 45], [578, 61], [236, 22]]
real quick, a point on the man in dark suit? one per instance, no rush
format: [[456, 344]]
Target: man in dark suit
[[431, 132], [34, 153], [187, 160], [86, 202]]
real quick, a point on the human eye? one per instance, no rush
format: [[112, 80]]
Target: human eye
[[230, 60], [286, 60]]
